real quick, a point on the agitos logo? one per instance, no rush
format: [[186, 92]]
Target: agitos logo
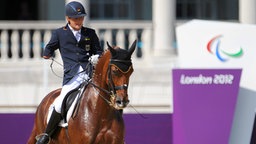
[[213, 47]]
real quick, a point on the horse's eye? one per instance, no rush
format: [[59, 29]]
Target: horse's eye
[[115, 71]]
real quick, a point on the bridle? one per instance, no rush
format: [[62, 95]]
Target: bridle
[[112, 88]]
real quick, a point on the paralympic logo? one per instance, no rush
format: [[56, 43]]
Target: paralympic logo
[[220, 53]]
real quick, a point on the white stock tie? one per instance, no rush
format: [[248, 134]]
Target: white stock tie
[[78, 36]]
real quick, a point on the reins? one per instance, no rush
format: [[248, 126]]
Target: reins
[[111, 92], [53, 60]]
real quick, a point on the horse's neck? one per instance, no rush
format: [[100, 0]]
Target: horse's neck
[[100, 96], [100, 76], [97, 103], [101, 91]]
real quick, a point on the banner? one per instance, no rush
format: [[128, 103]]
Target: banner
[[216, 44], [204, 105]]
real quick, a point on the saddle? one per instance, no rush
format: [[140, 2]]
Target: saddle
[[69, 99]]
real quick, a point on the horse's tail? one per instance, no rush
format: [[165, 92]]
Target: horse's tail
[[41, 115]]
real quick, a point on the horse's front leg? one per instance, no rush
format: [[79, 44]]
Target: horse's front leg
[[111, 137], [114, 139]]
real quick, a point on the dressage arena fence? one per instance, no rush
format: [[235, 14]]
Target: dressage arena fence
[[26, 39], [25, 78]]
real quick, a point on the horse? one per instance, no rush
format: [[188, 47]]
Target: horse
[[99, 118]]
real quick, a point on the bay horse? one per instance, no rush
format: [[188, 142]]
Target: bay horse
[[99, 118]]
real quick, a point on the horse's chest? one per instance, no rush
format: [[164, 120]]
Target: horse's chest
[[113, 134]]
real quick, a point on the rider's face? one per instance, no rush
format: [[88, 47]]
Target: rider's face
[[75, 23]]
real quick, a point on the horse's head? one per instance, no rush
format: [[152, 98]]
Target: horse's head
[[119, 68]]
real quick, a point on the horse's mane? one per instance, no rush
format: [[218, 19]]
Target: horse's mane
[[103, 59]]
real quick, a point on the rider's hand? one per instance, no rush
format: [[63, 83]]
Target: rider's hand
[[94, 59]]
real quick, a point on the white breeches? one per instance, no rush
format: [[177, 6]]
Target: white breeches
[[72, 84]]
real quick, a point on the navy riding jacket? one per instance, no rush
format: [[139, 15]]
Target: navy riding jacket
[[74, 54]]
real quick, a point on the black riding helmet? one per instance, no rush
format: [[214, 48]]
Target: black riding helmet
[[75, 10]]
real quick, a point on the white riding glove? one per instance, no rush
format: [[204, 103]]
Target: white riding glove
[[94, 59]]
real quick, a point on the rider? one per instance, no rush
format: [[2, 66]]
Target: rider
[[77, 45]]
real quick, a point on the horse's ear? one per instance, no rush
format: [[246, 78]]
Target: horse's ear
[[132, 48], [111, 49], [108, 45]]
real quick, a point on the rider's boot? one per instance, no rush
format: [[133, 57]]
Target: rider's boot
[[52, 125]]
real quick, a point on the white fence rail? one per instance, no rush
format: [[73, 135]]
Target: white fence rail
[[26, 39]]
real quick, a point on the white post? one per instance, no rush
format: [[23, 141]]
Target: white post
[[163, 26], [4, 45], [25, 44], [120, 38], [132, 36], [15, 45], [108, 36], [37, 44], [247, 11], [146, 39]]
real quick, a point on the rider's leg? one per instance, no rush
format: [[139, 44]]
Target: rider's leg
[[56, 115], [52, 125], [76, 81]]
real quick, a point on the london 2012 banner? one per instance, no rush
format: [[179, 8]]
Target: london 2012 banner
[[204, 105], [216, 45]]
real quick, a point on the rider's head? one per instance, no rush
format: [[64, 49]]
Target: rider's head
[[75, 14], [75, 10]]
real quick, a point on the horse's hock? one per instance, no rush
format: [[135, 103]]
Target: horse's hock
[[23, 83]]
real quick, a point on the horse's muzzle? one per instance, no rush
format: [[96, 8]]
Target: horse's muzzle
[[121, 103]]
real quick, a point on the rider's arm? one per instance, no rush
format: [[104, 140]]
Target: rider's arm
[[52, 45]]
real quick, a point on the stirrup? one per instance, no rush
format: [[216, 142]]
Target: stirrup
[[42, 134]]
